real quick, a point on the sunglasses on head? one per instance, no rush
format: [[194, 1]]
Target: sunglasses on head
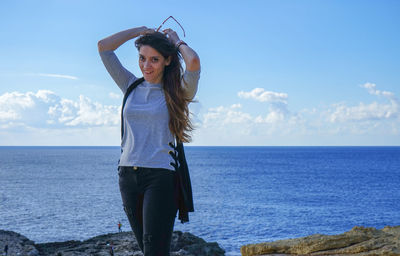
[[158, 29]]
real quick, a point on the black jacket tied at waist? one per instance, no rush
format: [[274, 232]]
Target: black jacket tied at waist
[[183, 188]]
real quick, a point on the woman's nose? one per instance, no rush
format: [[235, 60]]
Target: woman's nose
[[147, 64]]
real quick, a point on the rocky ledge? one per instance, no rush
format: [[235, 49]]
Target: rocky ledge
[[124, 244], [358, 241]]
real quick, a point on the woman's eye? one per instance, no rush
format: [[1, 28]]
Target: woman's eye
[[155, 59], [141, 58]]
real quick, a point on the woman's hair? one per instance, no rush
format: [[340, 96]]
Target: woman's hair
[[175, 96]]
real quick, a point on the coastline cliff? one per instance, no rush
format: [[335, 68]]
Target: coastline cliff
[[358, 241], [123, 244]]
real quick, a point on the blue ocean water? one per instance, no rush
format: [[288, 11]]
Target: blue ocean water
[[242, 194]]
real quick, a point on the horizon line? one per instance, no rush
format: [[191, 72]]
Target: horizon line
[[188, 145]]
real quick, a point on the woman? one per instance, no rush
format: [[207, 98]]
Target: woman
[[155, 114]]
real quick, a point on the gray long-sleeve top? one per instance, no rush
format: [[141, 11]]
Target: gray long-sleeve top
[[146, 118]]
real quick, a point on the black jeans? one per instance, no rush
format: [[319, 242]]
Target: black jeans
[[149, 202]]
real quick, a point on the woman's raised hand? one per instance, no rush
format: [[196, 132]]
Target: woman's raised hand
[[172, 35], [116, 40], [146, 30]]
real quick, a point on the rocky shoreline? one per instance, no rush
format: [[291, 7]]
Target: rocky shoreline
[[358, 241], [123, 244]]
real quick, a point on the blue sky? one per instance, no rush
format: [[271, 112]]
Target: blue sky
[[273, 72]]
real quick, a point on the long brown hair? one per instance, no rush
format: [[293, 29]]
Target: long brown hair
[[175, 96]]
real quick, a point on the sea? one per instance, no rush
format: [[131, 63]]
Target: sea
[[242, 195]]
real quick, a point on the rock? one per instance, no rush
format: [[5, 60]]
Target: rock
[[17, 244], [188, 244], [124, 244], [358, 241]]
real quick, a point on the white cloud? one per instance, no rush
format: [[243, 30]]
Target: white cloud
[[113, 95], [232, 120], [276, 104], [46, 109], [235, 106], [233, 126], [25, 108], [343, 113], [272, 117], [340, 124], [372, 90], [54, 75], [84, 112], [43, 117], [364, 112], [225, 115], [259, 94]]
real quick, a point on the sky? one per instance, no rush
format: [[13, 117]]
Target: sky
[[273, 72]]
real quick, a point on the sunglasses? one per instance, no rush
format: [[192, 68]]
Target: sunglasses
[[158, 29]]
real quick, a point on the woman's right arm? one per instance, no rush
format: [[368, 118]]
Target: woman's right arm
[[116, 40], [122, 77]]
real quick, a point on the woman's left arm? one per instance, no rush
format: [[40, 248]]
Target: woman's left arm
[[192, 60]]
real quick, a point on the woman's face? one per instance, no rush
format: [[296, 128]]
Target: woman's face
[[152, 64]]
